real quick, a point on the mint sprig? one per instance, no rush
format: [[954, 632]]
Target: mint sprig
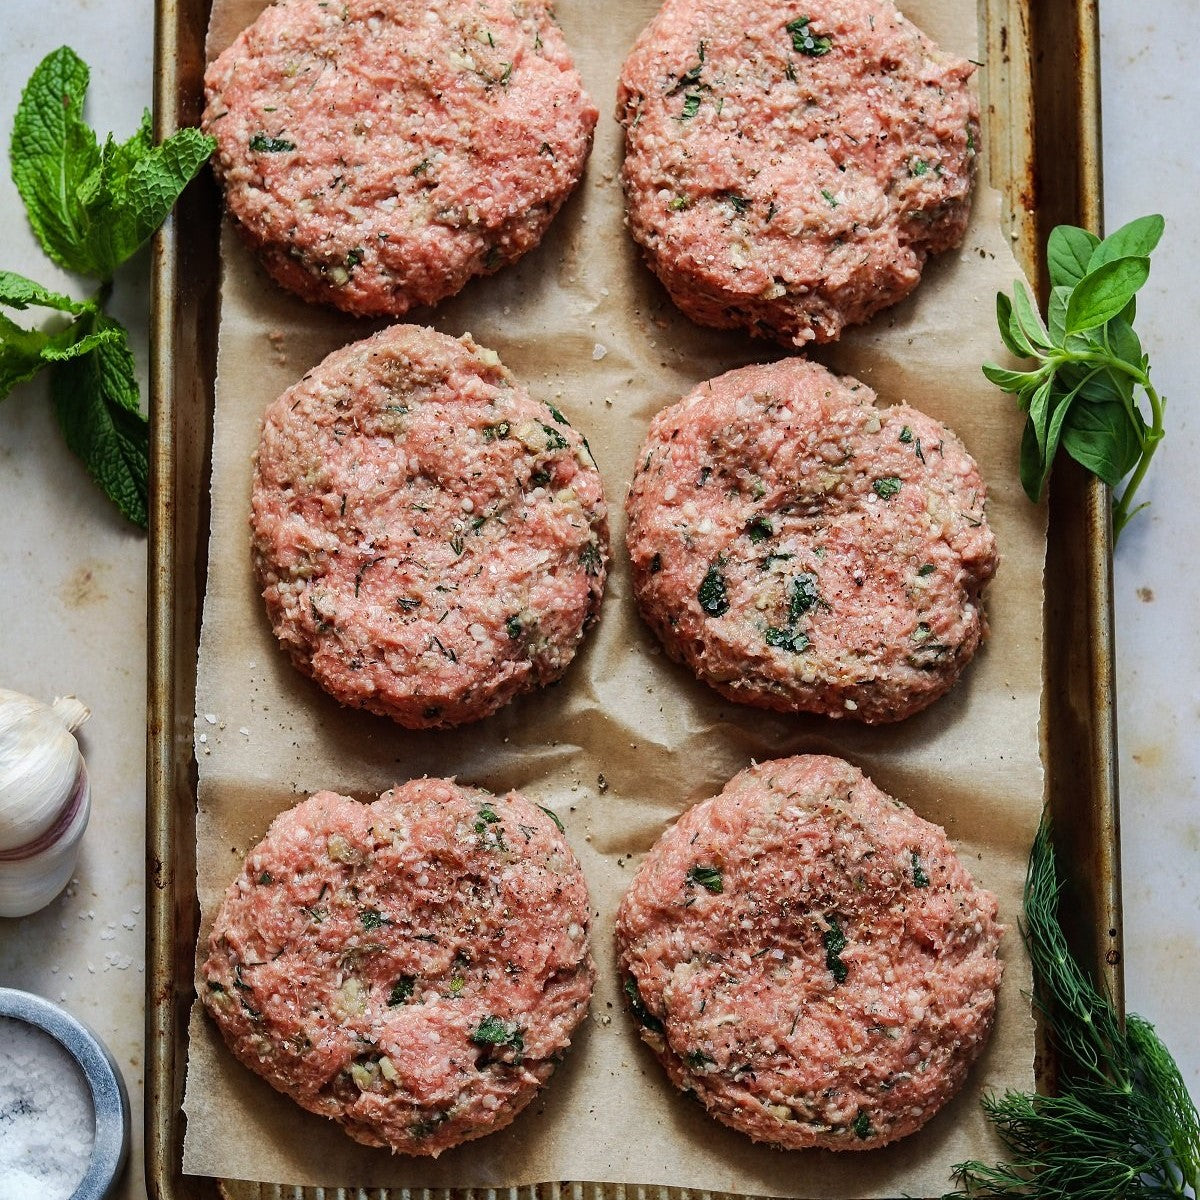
[[91, 207], [1090, 394]]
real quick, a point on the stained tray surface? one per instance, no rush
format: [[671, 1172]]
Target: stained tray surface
[[1078, 700]]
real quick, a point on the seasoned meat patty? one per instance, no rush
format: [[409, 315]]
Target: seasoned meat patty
[[413, 968], [805, 551], [788, 167], [430, 541], [378, 154], [809, 957]]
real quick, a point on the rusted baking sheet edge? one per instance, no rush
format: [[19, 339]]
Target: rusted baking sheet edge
[[1041, 83]]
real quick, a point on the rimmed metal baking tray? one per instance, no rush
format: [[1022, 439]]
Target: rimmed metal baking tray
[[1041, 90]]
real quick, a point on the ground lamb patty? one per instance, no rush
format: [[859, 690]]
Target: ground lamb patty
[[430, 541], [804, 551], [413, 968], [809, 957], [789, 167], [378, 154]]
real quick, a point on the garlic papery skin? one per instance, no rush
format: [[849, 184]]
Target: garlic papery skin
[[45, 799]]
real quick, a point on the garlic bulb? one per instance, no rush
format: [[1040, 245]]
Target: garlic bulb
[[45, 799]]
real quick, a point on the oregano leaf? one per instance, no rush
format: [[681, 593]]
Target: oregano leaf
[[1103, 293], [1068, 251]]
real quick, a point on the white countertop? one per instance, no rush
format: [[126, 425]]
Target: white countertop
[[72, 609]]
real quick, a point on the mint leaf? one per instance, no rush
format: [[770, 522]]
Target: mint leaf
[[96, 400], [24, 352], [91, 208], [53, 153]]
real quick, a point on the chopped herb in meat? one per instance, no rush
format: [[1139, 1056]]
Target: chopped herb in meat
[[739, 204], [698, 1060], [591, 559], [641, 1013], [804, 597], [906, 435], [691, 106], [402, 990], [787, 639], [862, 1126], [712, 594], [554, 439], [708, 878], [557, 415], [926, 569], [492, 1031], [886, 487], [486, 816], [656, 564], [829, 198], [372, 918], [492, 432], [513, 627], [804, 41], [554, 817], [834, 941], [262, 144], [266, 877], [760, 529], [920, 878]]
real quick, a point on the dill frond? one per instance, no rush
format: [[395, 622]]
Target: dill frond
[[1122, 1125]]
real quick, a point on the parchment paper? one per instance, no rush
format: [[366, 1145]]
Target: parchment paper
[[627, 740]]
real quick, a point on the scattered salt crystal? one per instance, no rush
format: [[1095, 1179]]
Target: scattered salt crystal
[[599, 350], [211, 718]]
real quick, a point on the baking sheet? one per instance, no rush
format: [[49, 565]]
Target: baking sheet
[[585, 325]]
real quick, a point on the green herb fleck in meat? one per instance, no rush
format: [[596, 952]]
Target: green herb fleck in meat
[[353, 257], [708, 878], [862, 1126], [804, 597], [492, 432], [554, 817], [834, 941], [402, 990], [513, 627], [554, 412], [372, 918], [457, 983], [787, 639], [772, 209], [485, 817], [926, 569], [591, 559], [739, 204], [920, 878], [886, 487], [262, 144], [829, 198], [698, 1060], [644, 1017], [804, 41], [691, 106], [906, 435], [492, 1031], [656, 564], [421, 167], [760, 529], [266, 877], [554, 439], [918, 167], [713, 597], [678, 203], [506, 74]]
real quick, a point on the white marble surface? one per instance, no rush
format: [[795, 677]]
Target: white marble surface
[[73, 602]]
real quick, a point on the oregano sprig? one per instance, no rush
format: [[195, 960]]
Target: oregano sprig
[[91, 207], [1090, 393]]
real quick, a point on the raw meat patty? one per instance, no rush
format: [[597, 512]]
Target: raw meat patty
[[412, 969], [378, 154], [810, 958], [430, 541], [804, 551], [790, 167]]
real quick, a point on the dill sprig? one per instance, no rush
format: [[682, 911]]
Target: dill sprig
[[1122, 1125]]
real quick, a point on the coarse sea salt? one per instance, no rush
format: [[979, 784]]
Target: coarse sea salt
[[47, 1122]]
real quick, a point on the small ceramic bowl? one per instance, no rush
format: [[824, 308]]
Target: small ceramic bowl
[[109, 1098]]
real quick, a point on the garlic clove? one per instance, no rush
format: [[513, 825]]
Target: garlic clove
[[45, 799]]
